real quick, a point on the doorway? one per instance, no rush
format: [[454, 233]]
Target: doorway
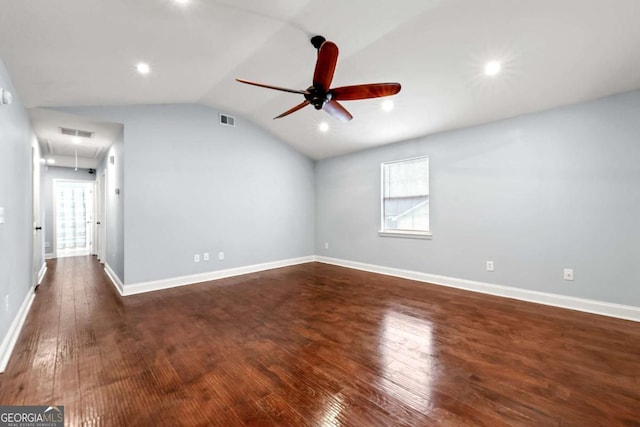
[[73, 215]]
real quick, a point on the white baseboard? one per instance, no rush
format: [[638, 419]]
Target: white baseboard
[[42, 272], [9, 342], [156, 285], [573, 303], [117, 283], [589, 306], [50, 255]]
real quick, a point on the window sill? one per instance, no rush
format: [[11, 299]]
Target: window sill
[[406, 234]]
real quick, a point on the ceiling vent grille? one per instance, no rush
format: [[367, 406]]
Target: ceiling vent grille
[[76, 132], [227, 120]]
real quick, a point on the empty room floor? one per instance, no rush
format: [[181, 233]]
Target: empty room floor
[[316, 345]]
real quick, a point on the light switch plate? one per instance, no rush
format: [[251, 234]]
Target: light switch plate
[[5, 97]]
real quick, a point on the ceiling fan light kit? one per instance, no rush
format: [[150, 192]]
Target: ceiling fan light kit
[[321, 95]]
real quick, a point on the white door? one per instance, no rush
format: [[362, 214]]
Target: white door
[[98, 222], [102, 227], [37, 227]]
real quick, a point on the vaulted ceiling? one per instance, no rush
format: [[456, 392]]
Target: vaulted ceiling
[[552, 52]]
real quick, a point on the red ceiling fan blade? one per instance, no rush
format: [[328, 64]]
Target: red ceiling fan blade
[[338, 111], [293, 110], [325, 66], [284, 89], [375, 90]]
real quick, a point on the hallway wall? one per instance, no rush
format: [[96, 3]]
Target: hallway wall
[[114, 208], [16, 236]]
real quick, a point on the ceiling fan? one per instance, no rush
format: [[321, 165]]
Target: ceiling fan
[[321, 95]]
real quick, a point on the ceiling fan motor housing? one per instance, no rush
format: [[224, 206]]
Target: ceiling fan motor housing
[[317, 41], [316, 97]]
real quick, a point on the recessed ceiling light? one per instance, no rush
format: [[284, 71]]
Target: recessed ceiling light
[[387, 105], [181, 1], [75, 140], [323, 127], [51, 161], [143, 68], [492, 68]]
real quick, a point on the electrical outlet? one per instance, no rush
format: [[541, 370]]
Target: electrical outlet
[[205, 256], [196, 258], [47, 244], [220, 256], [568, 274], [489, 265], [326, 245]]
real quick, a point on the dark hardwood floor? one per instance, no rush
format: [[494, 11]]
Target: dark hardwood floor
[[317, 345]]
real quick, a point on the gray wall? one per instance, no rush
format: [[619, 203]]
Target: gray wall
[[52, 173], [16, 256], [114, 209], [195, 186], [534, 194]]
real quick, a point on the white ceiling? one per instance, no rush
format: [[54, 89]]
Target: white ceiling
[[554, 52], [61, 148]]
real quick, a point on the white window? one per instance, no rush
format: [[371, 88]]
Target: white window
[[405, 198]]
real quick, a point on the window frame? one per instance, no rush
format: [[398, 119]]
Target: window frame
[[412, 234]]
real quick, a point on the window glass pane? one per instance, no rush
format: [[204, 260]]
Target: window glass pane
[[405, 195], [71, 215]]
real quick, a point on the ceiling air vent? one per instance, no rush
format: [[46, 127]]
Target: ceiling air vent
[[227, 120], [76, 132]]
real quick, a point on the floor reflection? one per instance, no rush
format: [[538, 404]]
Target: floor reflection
[[408, 370], [331, 415]]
